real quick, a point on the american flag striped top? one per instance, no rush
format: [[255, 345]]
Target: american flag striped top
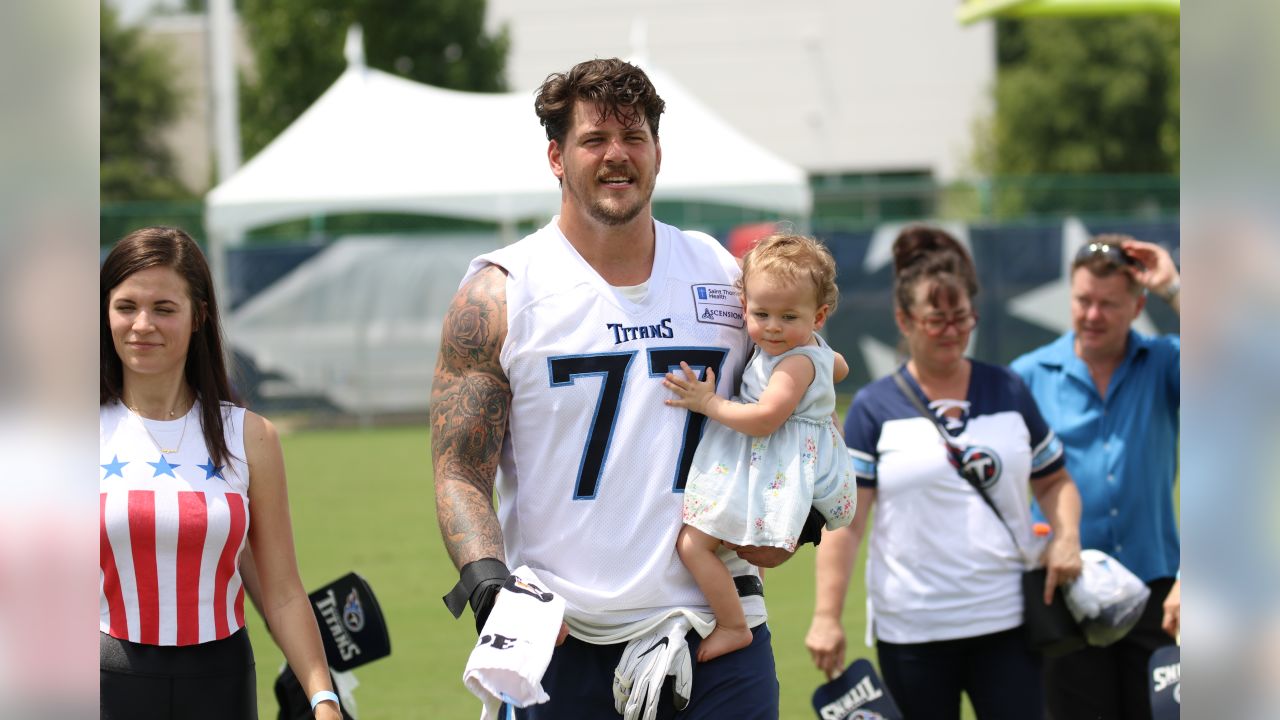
[[172, 527]]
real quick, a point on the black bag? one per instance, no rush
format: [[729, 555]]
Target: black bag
[[1050, 629]]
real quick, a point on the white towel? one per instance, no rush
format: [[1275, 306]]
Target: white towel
[[515, 646]]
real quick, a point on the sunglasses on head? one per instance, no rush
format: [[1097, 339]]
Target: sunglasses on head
[[1113, 253]]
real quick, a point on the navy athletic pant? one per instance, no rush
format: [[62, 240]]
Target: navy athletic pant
[[998, 672], [742, 685]]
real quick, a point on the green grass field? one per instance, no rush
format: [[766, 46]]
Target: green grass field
[[362, 500]]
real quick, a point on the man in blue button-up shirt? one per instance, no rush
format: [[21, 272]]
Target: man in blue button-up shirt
[[1112, 396]]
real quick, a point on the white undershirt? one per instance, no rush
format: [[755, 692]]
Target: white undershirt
[[634, 293]]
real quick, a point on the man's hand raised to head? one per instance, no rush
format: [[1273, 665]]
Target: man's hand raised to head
[[1158, 274]]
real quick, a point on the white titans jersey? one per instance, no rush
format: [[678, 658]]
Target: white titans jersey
[[593, 468]]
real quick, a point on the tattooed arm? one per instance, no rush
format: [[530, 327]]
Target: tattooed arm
[[470, 401]]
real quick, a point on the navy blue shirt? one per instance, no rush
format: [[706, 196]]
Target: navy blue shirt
[[1122, 451]]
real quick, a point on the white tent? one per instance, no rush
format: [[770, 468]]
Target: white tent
[[378, 143], [375, 142], [358, 324]]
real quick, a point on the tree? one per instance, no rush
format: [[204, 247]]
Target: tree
[[298, 52], [138, 100], [1075, 96]]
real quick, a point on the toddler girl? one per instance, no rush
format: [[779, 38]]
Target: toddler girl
[[773, 451]]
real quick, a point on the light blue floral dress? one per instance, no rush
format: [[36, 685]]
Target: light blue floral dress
[[758, 490]]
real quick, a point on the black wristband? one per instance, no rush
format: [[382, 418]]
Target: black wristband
[[478, 584], [812, 530]]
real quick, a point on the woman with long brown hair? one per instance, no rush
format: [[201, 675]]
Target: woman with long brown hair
[[189, 481]]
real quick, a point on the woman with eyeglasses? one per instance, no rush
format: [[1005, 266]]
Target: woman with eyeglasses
[[945, 603]]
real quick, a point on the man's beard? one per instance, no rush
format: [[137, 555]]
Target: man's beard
[[610, 213]]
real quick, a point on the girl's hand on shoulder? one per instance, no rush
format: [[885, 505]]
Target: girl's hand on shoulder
[[327, 711], [691, 393]]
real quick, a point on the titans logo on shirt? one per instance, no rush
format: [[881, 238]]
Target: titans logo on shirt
[[718, 304], [983, 464]]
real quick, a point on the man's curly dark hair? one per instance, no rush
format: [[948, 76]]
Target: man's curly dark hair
[[617, 88]]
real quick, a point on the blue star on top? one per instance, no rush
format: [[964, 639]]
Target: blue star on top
[[211, 470], [163, 467], [114, 467]]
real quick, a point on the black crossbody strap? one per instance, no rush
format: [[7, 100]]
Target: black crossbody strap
[[953, 450]]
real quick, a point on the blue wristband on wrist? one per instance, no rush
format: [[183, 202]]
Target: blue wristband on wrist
[[323, 695]]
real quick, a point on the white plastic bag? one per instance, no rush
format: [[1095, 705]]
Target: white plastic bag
[[1107, 599]]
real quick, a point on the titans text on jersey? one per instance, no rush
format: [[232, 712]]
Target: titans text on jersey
[[623, 333]]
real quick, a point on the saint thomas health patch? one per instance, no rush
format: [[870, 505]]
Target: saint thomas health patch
[[718, 304]]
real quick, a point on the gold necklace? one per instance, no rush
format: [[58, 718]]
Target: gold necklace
[[165, 450], [143, 422]]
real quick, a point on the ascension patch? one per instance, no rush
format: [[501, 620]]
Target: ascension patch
[[717, 304]]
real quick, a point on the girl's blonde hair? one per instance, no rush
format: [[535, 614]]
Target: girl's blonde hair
[[797, 258]]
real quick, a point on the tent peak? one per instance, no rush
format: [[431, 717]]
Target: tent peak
[[354, 47]]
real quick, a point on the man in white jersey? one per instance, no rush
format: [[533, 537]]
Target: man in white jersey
[[550, 381]]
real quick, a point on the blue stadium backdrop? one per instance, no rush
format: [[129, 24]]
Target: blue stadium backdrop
[[1022, 267]]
